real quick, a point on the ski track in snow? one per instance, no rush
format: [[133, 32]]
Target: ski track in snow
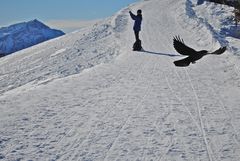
[[87, 96]]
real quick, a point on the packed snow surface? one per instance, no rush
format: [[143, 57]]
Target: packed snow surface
[[87, 96]]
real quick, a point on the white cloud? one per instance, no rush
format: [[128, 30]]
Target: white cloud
[[69, 25]]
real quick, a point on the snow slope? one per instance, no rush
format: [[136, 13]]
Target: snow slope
[[87, 96], [22, 35]]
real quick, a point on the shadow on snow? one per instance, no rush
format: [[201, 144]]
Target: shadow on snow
[[161, 54], [233, 31]]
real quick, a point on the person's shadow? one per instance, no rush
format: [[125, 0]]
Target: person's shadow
[[161, 54]]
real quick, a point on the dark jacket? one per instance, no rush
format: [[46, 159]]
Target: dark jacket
[[138, 21]]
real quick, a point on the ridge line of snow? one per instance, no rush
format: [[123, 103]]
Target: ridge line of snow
[[190, 12], [99, 33], [216, 36]]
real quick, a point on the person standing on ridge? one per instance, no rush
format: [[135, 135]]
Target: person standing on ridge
[[137, 28]]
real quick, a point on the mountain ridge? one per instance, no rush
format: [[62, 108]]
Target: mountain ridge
[[25, 34]]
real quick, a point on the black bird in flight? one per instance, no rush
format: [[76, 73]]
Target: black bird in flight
[[192, 54]]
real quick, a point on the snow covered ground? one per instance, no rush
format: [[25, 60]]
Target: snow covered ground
[[87, 96]]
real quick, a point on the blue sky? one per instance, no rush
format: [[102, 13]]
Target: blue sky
[[12, 11]]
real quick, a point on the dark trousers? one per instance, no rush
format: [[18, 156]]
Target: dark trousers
[[136, 35]]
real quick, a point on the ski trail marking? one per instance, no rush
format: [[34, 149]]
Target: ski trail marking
[[149, 84], [209, 151], [171, 141], [94, 70], [133, 111], [220, 100], [109, 110], [12, 146], [184, 105]]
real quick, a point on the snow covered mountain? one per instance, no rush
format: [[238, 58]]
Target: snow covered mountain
[[22, 35], [88, 96]]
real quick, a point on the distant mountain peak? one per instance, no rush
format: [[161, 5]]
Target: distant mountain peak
[[25, 34], [37, 23]]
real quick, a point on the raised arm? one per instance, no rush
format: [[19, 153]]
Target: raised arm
[[134, 17]]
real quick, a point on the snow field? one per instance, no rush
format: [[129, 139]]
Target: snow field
[[123, 105]]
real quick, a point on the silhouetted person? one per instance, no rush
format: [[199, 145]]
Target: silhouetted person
[[137, 24]]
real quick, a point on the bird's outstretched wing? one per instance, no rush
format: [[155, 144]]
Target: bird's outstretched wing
[[219, 51], [181, 48]]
